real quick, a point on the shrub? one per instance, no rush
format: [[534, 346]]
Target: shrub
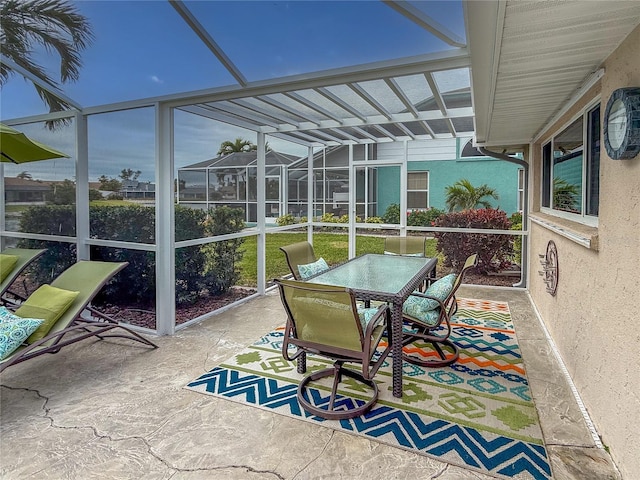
[[199, 269], [494, 251], [373, 220], [392, 214], [287, 219], [517, 244], [423, 218]]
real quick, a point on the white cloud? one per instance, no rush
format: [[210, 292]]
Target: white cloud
[[155, 79]]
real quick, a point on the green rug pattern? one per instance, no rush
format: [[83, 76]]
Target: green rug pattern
[[477, 413]]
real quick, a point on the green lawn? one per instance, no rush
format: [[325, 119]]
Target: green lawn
[[330, 246]]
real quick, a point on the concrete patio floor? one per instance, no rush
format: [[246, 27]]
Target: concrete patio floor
[[115, 410]]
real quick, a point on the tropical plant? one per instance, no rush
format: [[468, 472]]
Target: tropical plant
[[462, 195], [55, 25], [565, 196], [24, 176], [238, 145]]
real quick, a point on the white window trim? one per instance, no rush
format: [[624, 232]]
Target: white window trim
[[428, 189], [584, 219]]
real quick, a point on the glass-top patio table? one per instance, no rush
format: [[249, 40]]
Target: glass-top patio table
[[387, 278]]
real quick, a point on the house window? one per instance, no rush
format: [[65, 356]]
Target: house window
[[520, 190], [417, 190], [571, 169]]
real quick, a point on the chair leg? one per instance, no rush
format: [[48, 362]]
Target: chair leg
[[329, 412], [445, 349]]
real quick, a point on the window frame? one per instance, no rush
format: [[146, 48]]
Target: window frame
[[521, 191], [546, 167], [421, 190]]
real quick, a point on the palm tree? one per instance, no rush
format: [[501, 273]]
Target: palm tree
[[55, 25], [239, 145], [24, 176], [462, 195]]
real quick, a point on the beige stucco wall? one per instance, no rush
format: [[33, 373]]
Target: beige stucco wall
[[594, 319]]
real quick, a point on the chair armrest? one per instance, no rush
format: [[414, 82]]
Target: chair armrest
[[381, 315]]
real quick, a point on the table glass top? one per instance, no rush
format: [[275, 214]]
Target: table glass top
[[376, 273]]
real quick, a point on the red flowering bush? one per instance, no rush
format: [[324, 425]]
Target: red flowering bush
[[494, 251]]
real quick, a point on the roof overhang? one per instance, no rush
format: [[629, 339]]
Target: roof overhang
[[530, 59]]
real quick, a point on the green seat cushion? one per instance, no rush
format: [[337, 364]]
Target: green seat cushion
[[7, 263], [47, 303], [426, 309], [365, 315], [14, 330], [311, 269]]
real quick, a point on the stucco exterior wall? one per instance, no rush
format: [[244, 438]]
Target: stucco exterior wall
[[593, 319]]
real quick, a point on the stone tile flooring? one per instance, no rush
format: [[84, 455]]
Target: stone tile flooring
[[114, 410]]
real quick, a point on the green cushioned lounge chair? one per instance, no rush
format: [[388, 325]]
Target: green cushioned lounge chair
[[427, 317], [87, 278], [324, 320], [25, 257]]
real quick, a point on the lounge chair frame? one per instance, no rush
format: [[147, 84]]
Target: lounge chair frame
[[26, 257], [71, 327]]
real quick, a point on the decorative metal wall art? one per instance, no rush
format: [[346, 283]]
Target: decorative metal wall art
[[549, 272]]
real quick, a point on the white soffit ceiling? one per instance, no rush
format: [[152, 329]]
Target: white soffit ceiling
[[529, 58]]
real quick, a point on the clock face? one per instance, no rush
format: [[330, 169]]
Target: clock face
[[617, 123], [622, 124]]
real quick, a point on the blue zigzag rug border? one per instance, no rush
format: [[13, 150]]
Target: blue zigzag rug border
[[491, 454]]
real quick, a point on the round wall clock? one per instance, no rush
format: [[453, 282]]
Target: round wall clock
[[622, 124]]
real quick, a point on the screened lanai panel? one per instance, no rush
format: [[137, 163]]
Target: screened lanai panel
[[319, 29], [415, 87], [131, 296], [351, 98], [381, 92], [40, 196], [122, 164], [450, 80]]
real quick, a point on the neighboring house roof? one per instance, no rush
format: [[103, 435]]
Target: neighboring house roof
[[243, 159], [23, 184], [135, 186]]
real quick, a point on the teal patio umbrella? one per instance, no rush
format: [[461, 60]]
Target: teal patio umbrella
[[16, 147]]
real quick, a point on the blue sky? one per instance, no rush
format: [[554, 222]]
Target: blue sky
[[144, 49]]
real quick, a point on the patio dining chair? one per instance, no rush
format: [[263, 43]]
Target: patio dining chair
[[56, 312], [14, 261], [410, 246], [425, 316], [302, 260], [324, 320]]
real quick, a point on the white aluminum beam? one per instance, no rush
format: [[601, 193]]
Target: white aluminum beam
[[299, 98], [341, 103], [208, 40], [255, 108], [385, 132], [286, 108], [420, 18], [370, 100], [393, 85]]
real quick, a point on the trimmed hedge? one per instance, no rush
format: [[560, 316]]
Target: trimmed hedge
[[494, 251], [200, 270]]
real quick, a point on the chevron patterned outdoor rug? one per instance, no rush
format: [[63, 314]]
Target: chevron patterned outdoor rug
[[477, 413]]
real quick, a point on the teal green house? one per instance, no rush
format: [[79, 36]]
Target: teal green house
[[427, 180], [432, 166]]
